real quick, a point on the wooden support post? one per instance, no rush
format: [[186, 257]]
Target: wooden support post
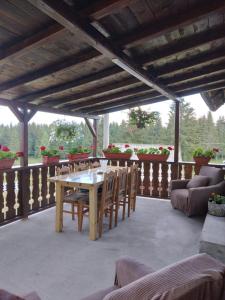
[[95, 138], [24, 116], [177, 134]]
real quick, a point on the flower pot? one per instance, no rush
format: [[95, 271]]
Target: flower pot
[[117, 155], [6, 163], [154, 157], [201, 160], [216, 209], [72, 157], [46, 160]]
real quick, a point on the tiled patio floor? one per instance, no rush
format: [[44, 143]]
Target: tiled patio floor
[[66, 266]]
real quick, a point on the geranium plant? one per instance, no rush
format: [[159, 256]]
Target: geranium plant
[[200, 152], [79, 149], [8, 157], [158, 151], [114, 149], [141, 118], [50, 152]]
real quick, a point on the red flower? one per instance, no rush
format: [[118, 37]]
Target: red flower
[[110, 146], [126, 145], [113, 146], [160, 148], [19, 154], [215, 150], [42, 148], [61, 148], [170, 148], [5, 149]]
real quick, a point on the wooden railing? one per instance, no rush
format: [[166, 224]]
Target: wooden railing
[[24, 191]]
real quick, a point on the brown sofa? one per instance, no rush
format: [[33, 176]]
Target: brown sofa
[[194, 201], [5, 295], [199, 277]]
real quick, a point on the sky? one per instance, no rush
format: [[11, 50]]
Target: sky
[[7, 117]]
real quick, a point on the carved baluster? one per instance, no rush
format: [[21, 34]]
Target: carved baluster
[[155, 180], [36, 188], [164, 181], [44, 172], [51, 185], [187, 171], [10, 198], [1, 197]]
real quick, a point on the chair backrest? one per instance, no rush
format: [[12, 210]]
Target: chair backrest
[[198, 277], [95, 164], [82, 167], [133, 180], [216, 175], [64, 170], [121, 185], [108, 188]]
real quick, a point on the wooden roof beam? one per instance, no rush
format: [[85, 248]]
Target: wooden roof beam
[[61, 13], [178, 88], [171, 81], [147, 100]]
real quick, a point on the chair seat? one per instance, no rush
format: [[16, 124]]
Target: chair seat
[[76, 196]]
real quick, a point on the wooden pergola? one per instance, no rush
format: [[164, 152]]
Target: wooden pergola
[[86, 58]]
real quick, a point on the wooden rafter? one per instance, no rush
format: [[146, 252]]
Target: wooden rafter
[[182, 87], [130, 81], [147, 100], [67, 18]]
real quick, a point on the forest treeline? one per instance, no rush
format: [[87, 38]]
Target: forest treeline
[[194, 132]]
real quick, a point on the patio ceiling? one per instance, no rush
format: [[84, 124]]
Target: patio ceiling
[[86, 58]]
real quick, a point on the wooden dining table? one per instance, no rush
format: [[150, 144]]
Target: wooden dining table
[[90, 180]]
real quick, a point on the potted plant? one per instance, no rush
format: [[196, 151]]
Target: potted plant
[[155, 154], [202, 157], [113, 152], [50, 156], [216, 205], [7, 157], [78, 153], [140, 118]]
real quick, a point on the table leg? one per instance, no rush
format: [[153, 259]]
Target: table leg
[[59, 207], [93, 210]]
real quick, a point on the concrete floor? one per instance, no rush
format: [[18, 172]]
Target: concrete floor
[[68, 266]]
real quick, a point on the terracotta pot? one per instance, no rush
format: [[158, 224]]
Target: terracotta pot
[[72, 157], [117, 155], [154, 157], [46, 160], [6, 163], [201, 160]]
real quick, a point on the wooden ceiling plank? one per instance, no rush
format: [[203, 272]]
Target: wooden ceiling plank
[[50, 69], [61, 13], [33, 40], [169, 24]]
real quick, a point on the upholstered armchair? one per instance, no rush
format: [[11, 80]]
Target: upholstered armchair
[[191, 196], [199, 277]]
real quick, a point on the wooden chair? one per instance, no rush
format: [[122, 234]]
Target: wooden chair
[[132, 187], [121, 193], [107, 200], [72, 197], [95, 164]]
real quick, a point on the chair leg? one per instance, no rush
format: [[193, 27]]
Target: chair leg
[[134, 202], [116, 212], [128, 206], [73, 211], [110, 217], [80, 216], [124, 209], [100, 223]]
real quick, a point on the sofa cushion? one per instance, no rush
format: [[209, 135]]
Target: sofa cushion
[[100, 294], [216, 175], [198, 181], [199, 277]]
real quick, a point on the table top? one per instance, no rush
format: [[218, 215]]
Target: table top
[[87, 177]]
